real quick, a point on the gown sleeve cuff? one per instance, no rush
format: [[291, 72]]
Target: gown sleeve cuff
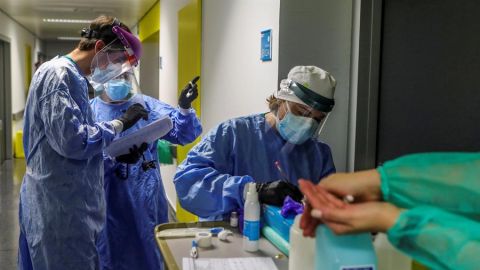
[[117, 125], [385, 189], [185, 112], [395, 232]]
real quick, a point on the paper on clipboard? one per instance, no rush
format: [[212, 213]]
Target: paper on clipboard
[[148, 134], [247, 263]]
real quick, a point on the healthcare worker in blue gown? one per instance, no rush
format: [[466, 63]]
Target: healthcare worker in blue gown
[[272, 149], [62, 202], [136, 200]]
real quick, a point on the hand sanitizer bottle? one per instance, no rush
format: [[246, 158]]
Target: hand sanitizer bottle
[[302, 249], [251, 220], [344, 252]]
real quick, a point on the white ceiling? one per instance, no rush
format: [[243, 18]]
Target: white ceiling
[[30, 13]]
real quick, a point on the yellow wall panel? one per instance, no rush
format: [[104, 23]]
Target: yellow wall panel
[[189, 66], [150, 22]]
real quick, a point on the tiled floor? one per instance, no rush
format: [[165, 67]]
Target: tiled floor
[[11, 174]]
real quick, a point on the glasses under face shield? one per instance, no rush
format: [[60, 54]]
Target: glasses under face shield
[[302, 122]]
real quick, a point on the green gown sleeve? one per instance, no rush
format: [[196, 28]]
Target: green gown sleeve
[[441, 192], [437, 239], [450, 181]]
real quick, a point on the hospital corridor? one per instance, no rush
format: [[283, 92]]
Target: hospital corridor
[[239, 135]]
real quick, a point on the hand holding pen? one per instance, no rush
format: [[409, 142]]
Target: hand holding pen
[[188, 94], [193, 86], [283, 175]]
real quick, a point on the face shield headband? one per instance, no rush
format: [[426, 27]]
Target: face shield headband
[[310, 98]]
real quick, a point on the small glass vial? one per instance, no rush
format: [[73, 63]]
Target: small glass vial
[[233, 219]]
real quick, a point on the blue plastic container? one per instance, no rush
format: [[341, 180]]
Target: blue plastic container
[[346, 252], [272, 217]]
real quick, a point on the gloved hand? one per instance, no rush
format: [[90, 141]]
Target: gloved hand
[[132, 115], [274, 193], [188, 94], [135, 153]]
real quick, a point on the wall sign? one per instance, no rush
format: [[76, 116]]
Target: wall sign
[[266, 45]]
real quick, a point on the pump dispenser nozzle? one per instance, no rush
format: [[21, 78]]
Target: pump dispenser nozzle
[[252, 194]]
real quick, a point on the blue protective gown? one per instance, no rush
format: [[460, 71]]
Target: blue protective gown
[[137, 204], [210, 181], [62, 203]]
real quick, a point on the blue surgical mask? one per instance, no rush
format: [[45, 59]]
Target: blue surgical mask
[[118, 89], [296, 129]]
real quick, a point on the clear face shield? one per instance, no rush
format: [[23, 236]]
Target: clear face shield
[[119, 89], [316, 119], [301, 123], [306, 113], [117, 57], [110, 62]]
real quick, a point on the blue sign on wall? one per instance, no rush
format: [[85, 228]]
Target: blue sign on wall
[[266, 45]]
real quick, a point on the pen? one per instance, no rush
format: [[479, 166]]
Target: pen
[[192, 85], [282, 173], [194, 251]]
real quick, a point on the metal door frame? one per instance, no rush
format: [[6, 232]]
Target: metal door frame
[[7, 102], [369, 51]]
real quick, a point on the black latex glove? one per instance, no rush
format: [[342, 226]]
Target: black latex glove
[[274, 193], [188, 94], [132, 115], [135, 153]]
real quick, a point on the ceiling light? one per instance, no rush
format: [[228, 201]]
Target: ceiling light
[[54, 9], [104, 10], [66, 21], [68, 38]]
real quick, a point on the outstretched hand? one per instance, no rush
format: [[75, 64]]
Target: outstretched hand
[[363, 186], [341, 217]]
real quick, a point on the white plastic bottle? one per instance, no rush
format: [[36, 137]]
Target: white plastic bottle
[[302, 249], [234, 219], [251, 220]]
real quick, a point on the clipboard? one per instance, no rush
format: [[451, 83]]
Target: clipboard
[[148, 134]]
